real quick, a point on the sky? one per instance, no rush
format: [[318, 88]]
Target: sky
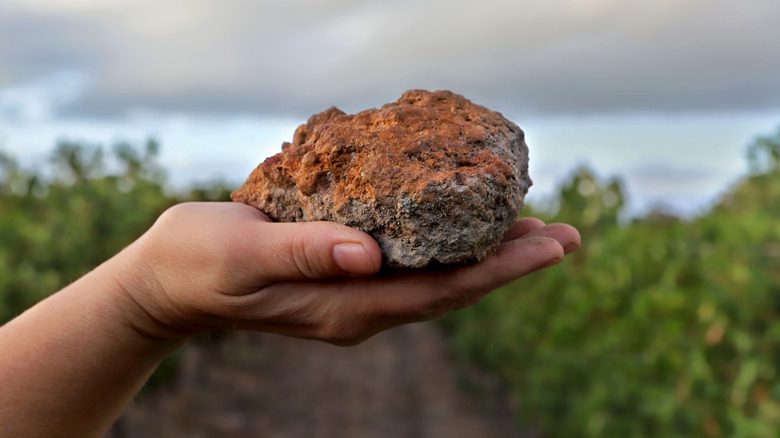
[[665, 94]]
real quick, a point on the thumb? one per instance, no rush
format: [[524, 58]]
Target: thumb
[[295, 251]]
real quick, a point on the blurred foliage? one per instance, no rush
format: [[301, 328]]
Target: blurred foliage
[[61, 220], [656, 327]]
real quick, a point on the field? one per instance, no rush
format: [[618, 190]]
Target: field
[[658, 326]]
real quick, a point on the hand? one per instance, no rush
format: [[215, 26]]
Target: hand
[[206, 266]]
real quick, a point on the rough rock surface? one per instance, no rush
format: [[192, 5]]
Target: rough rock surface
[[433, 177]]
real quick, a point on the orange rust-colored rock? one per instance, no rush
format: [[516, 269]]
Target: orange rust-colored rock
[[433, 177]]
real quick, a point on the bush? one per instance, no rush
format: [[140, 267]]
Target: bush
[[656, 327]]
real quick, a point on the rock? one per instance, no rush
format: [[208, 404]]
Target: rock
[[433, 177]]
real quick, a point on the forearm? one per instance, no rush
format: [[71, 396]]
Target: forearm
[[69, 364]]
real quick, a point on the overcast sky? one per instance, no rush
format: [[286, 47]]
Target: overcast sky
[[666, 93]]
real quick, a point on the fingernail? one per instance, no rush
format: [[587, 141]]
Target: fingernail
[[352, 257]]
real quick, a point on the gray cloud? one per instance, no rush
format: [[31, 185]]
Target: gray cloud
[[294, 57]]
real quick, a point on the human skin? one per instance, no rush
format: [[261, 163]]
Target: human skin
[[69, 364]]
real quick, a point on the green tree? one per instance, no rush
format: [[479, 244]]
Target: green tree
[[656, 327], [764, 154], [58, 222]]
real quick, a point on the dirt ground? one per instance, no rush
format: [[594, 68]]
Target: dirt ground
[[402, 383]]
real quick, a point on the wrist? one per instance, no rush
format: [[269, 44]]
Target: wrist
[[146, 306]]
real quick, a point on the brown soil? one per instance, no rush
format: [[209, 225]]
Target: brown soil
[[402, 383]]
